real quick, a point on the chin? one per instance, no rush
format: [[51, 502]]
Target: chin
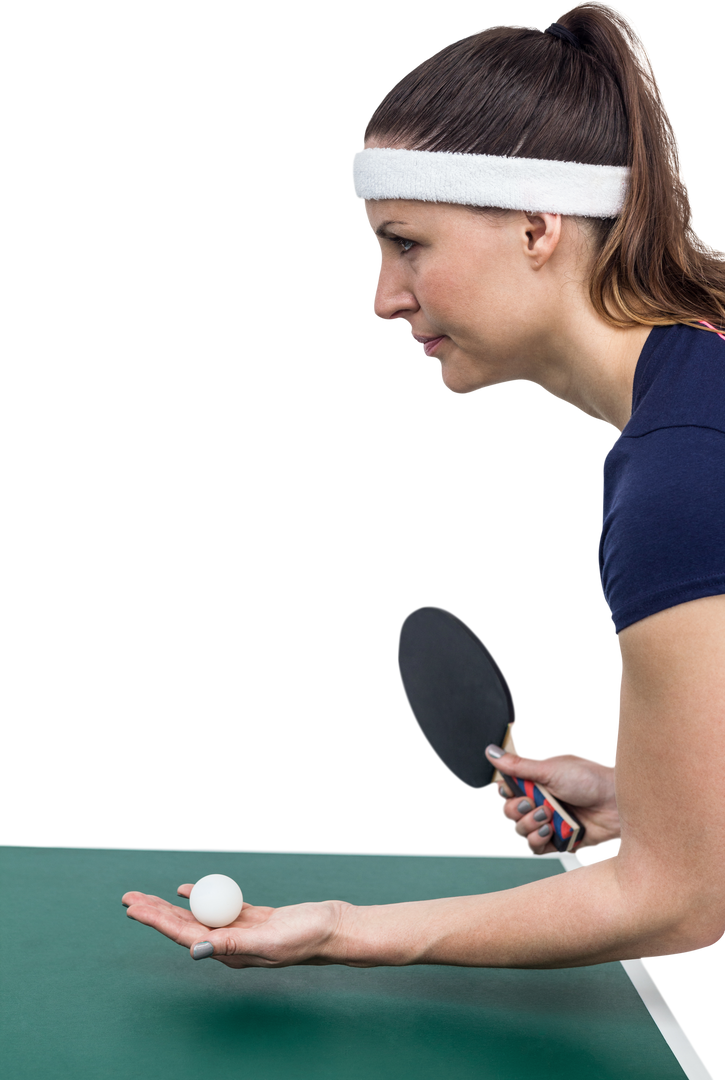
[[457, 389], [457, 392], [459, 383]]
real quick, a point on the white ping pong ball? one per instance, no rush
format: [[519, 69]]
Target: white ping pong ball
[[215, 900]]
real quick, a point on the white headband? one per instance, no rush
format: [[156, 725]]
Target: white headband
[[554, 187]]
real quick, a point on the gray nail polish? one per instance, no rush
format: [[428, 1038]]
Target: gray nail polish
[[524, 807], [495, 751], [544, 830], [202, 950], [540, 814], [502, 792]]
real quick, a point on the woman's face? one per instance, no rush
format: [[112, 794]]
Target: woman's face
[[497, 288], [510, 297], [471, 286]]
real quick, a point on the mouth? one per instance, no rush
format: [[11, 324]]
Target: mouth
[[430, 345]]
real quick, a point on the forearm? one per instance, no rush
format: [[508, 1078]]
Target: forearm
[[587, 916]]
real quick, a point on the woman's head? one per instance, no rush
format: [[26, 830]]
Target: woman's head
[[519, 93], [498, 296]]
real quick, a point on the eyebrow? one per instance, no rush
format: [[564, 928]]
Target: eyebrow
[[382, 230]]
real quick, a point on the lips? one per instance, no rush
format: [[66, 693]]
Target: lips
[[430, 346]]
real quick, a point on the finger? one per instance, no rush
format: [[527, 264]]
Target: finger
[[200, 950], [540, 841], [174, 923], [540, 848], [516, 808], [522, 808], [132, 898], [142, 898], [504, 791], [184, 890], [529, 822], [500, 758], [535, 825], [129, 899]]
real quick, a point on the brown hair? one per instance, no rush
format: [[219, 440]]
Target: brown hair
[[518, 92]]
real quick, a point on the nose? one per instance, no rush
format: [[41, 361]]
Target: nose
[[391, 301]]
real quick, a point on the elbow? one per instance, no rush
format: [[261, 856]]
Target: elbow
[[673, 913], [692, 924], [698, 918], [698, 933]]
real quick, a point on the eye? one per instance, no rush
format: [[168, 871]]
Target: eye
[[405, 245]]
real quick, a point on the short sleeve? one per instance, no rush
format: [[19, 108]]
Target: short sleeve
[[663, 538]]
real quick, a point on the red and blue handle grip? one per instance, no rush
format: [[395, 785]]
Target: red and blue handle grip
[[568, 831]]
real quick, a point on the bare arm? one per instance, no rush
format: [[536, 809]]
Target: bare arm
[[665, 891], [556, 922]]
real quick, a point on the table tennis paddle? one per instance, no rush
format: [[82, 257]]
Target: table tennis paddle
[[462, 703]]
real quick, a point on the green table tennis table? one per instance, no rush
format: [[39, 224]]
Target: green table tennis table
[[91, 995]]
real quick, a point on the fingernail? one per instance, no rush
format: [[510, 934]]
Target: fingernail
[[524, 807], [202, 950], [495, 751], [540, 814], [502, 792], [544, 830]]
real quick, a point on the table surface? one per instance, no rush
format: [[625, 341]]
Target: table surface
[[87, 993]]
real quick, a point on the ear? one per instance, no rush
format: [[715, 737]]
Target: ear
[[542, 233]]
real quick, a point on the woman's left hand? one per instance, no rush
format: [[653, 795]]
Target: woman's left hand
[[260, 937]]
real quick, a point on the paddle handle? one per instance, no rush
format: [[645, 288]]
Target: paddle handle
[[568, 831]]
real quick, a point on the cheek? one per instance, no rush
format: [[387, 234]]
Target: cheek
[[461, 275], [445, 292], [467, 300]]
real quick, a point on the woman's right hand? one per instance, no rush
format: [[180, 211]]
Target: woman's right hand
[[585, 786]]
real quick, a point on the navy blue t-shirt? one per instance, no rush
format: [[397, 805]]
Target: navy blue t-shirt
[[663, 539]]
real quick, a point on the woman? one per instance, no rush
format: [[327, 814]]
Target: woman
[[524, 190]]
